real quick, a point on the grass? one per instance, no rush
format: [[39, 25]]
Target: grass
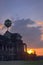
[[21, 62], [36, 63]]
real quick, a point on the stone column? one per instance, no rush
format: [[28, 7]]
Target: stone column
[[2, 47], [25, 47]]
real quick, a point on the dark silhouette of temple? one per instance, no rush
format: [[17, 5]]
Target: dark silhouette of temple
[[12, 46]]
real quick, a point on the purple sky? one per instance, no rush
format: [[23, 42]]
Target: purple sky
[[32, 9], [18, 9]]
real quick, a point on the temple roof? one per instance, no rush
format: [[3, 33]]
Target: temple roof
[[7, 34], [13, 35]]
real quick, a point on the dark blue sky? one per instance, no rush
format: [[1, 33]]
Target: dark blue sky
[[32, 9]]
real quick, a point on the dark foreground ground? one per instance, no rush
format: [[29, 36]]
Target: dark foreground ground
[[21, 62]]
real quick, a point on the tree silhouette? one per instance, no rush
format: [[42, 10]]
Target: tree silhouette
[[7, 23]]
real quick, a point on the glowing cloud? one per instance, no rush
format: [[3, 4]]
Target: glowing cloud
[[1, 26], [37, 24], [32, 25], [2, 29]]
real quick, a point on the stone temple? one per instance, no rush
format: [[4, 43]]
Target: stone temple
[[12, 46]]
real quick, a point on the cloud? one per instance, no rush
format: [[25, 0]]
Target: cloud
[[31, 35], [31, 31], [2, 29], [37, 24], [1, 26], [32, 25]]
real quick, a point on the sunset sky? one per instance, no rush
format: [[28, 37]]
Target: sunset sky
[[39, 51], [29, 20]]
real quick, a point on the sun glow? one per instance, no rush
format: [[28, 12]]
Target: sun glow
[[1, 26], [38, 51], [31, 51]]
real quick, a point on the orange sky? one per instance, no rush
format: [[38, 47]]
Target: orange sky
[[39, 51]]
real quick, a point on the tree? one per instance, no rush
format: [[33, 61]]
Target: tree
[[7, 23]]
